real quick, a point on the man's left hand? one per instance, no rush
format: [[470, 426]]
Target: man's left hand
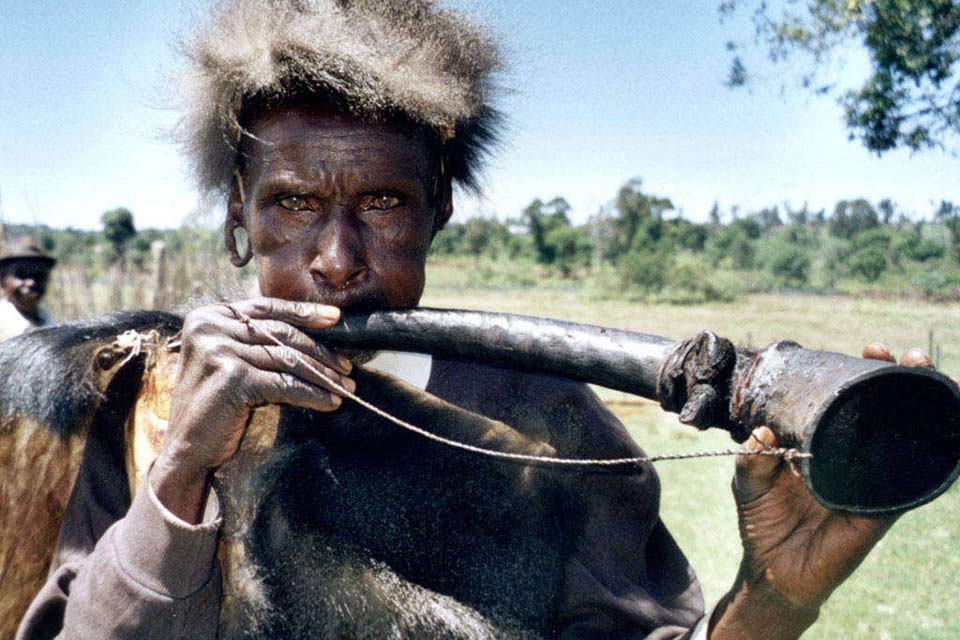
[[795, 551]]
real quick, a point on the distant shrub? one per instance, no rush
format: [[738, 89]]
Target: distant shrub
[[644, 271], [937, 284], [571, 249], [734, 245], [788, 263], [868, 263], [691, 281], [687, 235], [923, 250], [799, 235]]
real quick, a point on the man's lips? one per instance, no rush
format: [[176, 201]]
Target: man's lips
[[355, 299]]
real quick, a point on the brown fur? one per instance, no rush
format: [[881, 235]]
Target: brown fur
[[43, 464], [144, 434], [147, 424], [38, 469], [410, 57]]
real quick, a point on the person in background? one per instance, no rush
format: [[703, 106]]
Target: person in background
[[24, 273]]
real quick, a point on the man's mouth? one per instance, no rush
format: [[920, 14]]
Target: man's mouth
[[353, 299], [27, 293]]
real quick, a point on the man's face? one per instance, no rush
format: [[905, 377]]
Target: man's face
[[338, 210], [24, 283]]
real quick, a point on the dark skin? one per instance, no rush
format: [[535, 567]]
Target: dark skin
[[341, 214], [24, 284]]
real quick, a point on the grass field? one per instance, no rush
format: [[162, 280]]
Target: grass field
[[909, 587]]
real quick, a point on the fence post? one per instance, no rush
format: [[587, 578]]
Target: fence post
[[158, 251]]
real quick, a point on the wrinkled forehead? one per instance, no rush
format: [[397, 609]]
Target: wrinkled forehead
[[313, 140]]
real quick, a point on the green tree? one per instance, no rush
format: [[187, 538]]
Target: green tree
[[449, 240], [887, 209], [868, 263], [768, 218], [118, 229], [645, 270], [851, 217], [735, 244], [571, 248], [949, 215], [789, 264], [911, 97], [541, 219], [639, 223], [687, 235], [485, 236]]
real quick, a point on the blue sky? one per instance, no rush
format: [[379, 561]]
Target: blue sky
[[600, 92]]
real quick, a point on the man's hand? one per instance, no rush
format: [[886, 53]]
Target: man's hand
[[795, 551], [229, 366]]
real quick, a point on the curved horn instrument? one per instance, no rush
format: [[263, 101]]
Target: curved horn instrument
[[884, 438]]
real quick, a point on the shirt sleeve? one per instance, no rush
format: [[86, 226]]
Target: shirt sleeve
[[149, 575]]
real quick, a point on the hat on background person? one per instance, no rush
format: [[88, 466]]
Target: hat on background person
[[23, 249]]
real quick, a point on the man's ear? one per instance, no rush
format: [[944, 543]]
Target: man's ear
[[444, 204], [236, 219]]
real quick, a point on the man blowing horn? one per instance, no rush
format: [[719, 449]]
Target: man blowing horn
[[335, 132]]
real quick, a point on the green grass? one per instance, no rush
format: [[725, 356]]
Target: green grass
[[909, 586], [833, 323]]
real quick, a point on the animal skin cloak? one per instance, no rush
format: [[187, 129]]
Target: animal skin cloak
[[601, 564]]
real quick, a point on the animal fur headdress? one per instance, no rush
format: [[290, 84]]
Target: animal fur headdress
[[405, 57]]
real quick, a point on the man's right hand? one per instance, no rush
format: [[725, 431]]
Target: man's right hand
[[228, 366]]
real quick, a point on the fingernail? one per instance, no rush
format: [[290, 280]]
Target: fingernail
[[336, 401], [330, 313], [345, 363], [349, 384]]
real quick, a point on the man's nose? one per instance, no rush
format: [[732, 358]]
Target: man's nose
[[339, 260]]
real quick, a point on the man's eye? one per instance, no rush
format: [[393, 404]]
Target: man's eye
[[293, 203], [380, 202]]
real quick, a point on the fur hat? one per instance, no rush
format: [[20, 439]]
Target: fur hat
[[405, 57]]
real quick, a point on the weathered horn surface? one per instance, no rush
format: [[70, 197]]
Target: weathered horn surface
[[884, 438]]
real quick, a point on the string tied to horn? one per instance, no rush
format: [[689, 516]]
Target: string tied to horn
[[789, 454]]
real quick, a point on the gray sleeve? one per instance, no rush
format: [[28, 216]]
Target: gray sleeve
[[148, 576]]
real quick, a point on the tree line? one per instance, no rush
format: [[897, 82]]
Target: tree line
[[638, 247], [641, 247]]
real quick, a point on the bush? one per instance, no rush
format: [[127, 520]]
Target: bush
[[868, 263], [449, 241], [937, 284], [800, 236], [687, 235], [733, 245], [922, 250], [789, 264], [691, 281], [571, 249], [645, 271], [879, 238]]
